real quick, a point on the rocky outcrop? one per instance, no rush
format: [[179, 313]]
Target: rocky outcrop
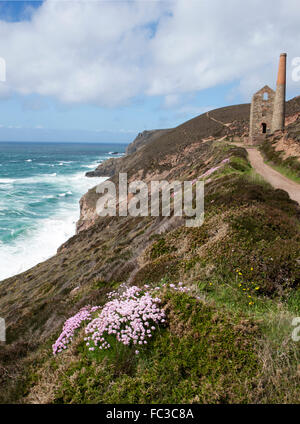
[[143, 138], [88, 214], [292, 106], [112, 166], [293, 128], [107, 168], [287, 142]]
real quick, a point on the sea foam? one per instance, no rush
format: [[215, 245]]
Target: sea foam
[[41, 241]]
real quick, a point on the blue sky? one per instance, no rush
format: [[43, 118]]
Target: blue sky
[[16, 11], [108, 70]]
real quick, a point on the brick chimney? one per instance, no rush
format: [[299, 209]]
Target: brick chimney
[[279, 102]]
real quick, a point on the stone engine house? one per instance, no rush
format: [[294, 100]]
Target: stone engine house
[[261, 115], [267, 113]]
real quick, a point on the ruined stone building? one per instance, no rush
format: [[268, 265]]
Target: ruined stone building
[[267, 113]]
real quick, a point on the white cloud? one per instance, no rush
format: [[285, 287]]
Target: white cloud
[[212, 42], [80, 51], [106, 53], [171, 100]]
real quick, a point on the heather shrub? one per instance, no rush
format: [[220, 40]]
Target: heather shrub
[[200, 355]]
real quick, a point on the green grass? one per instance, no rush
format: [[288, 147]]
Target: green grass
[[289, 167], [287, 172], [278, 352], [201, 356], [254, 178], [216, 349]]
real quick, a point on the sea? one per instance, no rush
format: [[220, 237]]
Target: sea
[[40, 188]]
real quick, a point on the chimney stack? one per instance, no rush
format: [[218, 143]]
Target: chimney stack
[[278, 121]]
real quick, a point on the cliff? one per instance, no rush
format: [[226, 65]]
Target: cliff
[[112, 165], [162, 152], [143, 138], [226, 341], [170, 141]]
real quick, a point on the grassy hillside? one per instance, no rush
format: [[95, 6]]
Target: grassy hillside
[[193, 131], [226, 340], [144, 138], [175, 140]]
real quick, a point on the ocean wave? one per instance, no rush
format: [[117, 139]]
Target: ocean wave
[[48, 196], [58, 180], [46, 237], [44, 234], [6, 180], [36, 179], [93, 166], [68, 193]]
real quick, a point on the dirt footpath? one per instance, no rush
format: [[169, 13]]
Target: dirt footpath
[[276, 179]]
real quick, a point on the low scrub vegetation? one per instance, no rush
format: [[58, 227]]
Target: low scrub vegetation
[[226, 338]]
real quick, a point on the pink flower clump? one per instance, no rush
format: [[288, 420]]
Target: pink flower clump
[[130, 317], [70, 326], [211, 171]]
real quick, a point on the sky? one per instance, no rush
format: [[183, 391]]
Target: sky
[[94, 70]]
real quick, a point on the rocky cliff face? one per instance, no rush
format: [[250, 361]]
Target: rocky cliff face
[[88, 215], [143, 138], [113, 165], [289, 142], [107, 168]]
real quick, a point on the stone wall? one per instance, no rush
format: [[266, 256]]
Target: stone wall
[[261, 113]]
